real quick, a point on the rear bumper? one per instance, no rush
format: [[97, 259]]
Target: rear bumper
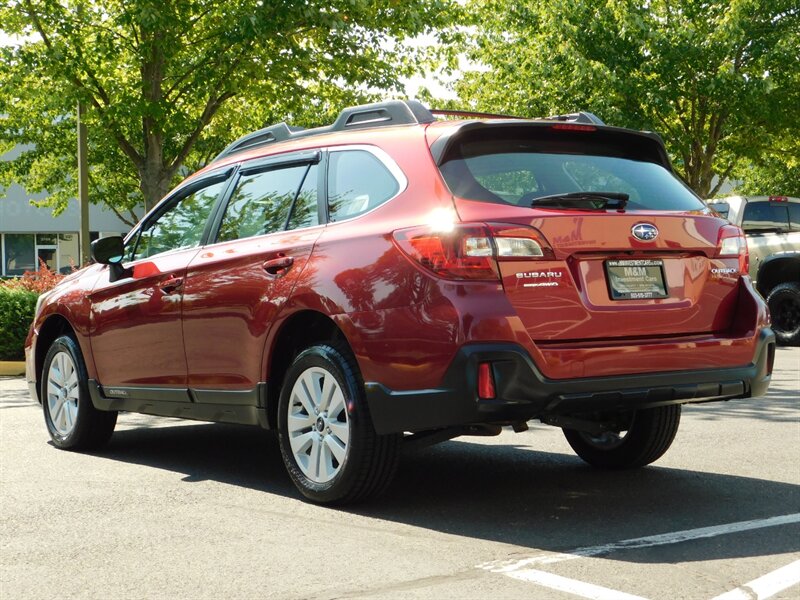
[[523, 393]]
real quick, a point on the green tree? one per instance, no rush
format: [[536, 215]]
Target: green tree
[[168, 84], [717, 78]]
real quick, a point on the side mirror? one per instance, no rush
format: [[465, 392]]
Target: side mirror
[[723, 208], [108, 250]]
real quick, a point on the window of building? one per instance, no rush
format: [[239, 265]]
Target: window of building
[[19, 253], [68, 252]]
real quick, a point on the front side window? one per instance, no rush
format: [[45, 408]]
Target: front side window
[[181, 226], [357, 182], [261, 203], [766, 215]]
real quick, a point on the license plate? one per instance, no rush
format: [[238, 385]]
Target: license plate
[[636, 279]]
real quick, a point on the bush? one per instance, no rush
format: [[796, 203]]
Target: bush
[[17, 307], [38, 282]]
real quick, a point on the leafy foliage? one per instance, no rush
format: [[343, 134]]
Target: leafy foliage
[[17, 307], [718, 78], [167, 85], [776, 172], [38, 282]]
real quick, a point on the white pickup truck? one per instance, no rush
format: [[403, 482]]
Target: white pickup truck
[[772, 226]]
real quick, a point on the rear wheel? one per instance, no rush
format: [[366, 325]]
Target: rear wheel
[[327, 439], [645, 437], [784, 307], [72, 420]]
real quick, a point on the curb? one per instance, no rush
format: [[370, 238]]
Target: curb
[[12, 368]]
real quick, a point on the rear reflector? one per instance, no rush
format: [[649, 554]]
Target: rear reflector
[[486, 389], [770, 358]]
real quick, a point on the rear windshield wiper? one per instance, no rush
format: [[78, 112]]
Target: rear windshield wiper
[[595, 200], [756, 230]]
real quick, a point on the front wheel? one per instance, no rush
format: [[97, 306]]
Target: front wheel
[[646, 436], [327, 439], [72, 420], [784, 308]]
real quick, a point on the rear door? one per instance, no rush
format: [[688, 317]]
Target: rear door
[[237, 285]]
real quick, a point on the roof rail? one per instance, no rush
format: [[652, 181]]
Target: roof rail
[[367, 116], [578, 117], [468, 113]]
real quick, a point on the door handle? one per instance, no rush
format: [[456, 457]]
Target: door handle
[[277, 267], [170, 285]]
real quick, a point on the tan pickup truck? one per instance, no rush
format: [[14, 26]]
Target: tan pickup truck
[[772, 226]]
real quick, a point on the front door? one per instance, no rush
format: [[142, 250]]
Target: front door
[[136, 332]]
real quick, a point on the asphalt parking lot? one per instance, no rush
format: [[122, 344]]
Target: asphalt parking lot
[[174, 509]]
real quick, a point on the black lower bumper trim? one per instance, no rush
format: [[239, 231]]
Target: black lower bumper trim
[[523, 393]]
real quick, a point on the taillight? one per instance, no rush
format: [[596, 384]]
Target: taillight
[[471, 250], [733, 243]]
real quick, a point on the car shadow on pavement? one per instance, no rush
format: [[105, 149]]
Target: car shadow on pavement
[[504, 493], [555, 502], [778, 405]]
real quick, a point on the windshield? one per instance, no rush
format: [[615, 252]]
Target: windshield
[[518, 172]]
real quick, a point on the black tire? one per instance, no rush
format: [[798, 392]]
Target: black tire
[[87, 428], [370, 460], [784, 307], [649, 435]]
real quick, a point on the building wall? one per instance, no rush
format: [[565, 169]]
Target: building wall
[[28, 233]]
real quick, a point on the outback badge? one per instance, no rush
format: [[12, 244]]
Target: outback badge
[[644, 232]]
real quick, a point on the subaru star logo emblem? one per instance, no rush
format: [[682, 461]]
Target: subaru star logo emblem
[[645, 232]]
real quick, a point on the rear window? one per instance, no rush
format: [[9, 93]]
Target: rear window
[[766, 215], [517, 171]]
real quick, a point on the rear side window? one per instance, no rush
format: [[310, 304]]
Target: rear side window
[[357, 182], [794, 216], [304, 211], [516, 170], [261, 203], [766, 215]]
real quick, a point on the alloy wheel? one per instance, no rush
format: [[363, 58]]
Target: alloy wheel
[[62, 393], [318, 425]]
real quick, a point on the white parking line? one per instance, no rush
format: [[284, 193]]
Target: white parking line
[[571, 586], [674, 537], [766, 586]]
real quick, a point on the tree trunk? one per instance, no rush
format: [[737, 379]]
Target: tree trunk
[[699, 161], [154, 184]]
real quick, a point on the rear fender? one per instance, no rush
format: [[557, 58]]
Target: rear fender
[[778, 268]]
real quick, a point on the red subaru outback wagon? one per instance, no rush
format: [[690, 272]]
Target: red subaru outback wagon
[[394, 278]]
